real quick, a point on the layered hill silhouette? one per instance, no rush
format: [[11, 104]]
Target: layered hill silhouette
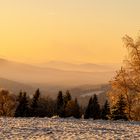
[[50, 75], [15, 87], [80, 79], [83, 67]]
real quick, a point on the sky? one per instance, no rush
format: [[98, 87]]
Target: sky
[[67, 30]]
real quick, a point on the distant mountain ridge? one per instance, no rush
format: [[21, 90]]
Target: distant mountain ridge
[[32, 74], [83, 67], [15, 87]]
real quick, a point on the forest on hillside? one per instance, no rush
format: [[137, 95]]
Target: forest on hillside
[[123, 99]]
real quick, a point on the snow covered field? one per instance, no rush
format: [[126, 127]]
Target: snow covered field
[[66, 129]]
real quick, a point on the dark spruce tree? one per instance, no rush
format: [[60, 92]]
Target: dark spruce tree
[[77, 113], [118, 110], [88, 111], [60, 104], [18, 111], [20, 96], [67, 98], [95, 109], [22, 109], [34, 104], [105, 114]]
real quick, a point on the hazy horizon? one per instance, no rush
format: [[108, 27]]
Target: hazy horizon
[[57, 74], [37, 63], [90, 31]]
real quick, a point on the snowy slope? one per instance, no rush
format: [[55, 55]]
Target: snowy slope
[[66, 129]]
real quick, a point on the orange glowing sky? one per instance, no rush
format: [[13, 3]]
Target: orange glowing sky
[[67, 30]]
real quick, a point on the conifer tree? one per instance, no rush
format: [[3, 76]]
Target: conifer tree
[[88, 111], [67, 97], [34, 104], [22, 108], [105, 111], [20, 96], [118, 110], [96, 112], [18, 111], [60, 104], [77, 113]]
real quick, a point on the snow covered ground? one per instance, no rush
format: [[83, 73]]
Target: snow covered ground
[[67, 129]]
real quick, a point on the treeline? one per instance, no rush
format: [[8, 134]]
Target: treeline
[[123, 98], [63, 106]]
